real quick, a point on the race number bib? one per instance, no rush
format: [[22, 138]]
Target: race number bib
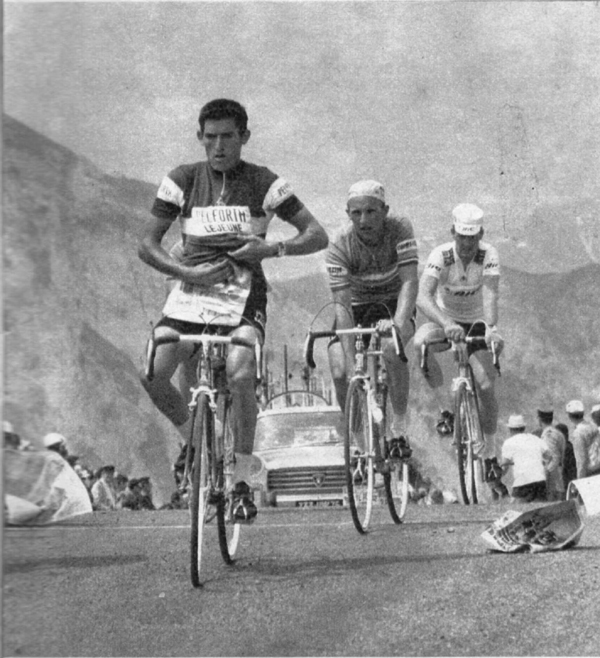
[[217, 220], [222, 303]]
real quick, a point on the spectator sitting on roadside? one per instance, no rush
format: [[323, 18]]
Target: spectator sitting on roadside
[[11, 439], [529, 457], [119, 483], [145, 494], [129, 498], [103, 496], [556, 443], [56, 443], [585, 439]]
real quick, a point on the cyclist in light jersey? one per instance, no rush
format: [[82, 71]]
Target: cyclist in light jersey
[[372, 267], [224, 206], [459, 286]]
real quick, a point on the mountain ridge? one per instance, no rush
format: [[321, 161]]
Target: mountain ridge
[[79, 304]]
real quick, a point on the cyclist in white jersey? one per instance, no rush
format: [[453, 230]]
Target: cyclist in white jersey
[[459, 286]]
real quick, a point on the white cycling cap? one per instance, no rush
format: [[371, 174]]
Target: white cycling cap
[[53, 439], [468, 219], [516, 422], [367, 188], [575, 407], [7, 427]]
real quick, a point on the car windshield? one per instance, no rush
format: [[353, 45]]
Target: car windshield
[[285, 430]]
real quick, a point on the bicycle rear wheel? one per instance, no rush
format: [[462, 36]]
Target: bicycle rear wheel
[[200, 438], [229, 532], [358, 454], [396, 491], [467, 431]]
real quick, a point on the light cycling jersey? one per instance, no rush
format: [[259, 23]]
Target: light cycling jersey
[[215, 209], [459, 292], [373, 274]]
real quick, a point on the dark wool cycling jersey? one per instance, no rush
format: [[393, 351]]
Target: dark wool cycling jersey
[[373, 274], [215, 209]]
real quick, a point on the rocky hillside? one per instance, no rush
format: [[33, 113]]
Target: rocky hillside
[[78, 305]]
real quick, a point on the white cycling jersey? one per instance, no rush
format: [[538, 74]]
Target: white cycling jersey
[[459, 292]]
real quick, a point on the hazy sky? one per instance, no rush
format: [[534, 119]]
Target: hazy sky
[[437, 100]]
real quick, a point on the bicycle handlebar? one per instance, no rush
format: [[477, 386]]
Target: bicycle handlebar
[[469, 340], [171, 336], [354, 331]]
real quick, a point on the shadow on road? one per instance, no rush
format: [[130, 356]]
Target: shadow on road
[[72, 562]]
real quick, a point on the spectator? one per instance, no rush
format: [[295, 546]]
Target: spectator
[[11, 439], [595, 415], [129, 498], [556, 443], [145, 494], [528, 455], [103, 494], [120, 483], [57, 443], [569, 463], [585, 440]]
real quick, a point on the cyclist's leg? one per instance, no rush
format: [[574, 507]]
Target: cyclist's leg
[[399, 383], [485, 377], [165, 396], [241, 378], [337, 367]]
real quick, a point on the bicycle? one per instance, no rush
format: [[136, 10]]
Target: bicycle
[[366, 448], [467, 431], [209, 461]]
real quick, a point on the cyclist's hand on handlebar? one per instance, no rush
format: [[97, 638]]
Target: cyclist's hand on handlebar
[[492, 336], [254, 251], [454, 332], [209, 274], [384, 327]]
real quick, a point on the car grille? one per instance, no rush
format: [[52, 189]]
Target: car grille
[[319, 480]]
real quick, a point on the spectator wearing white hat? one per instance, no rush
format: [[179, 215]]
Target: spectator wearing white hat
[[585, 439], [56, 443], [373, 276], [530, 459]]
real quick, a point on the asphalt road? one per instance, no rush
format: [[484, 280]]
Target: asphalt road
[[306, 584]]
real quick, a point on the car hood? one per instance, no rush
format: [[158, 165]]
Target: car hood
[[302, 457]]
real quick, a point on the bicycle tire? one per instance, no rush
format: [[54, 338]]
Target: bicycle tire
[[358, 456], [466, 433], [199, 440], [397, 509], [229, 532]]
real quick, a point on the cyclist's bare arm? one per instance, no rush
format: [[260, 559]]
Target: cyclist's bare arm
[[344, 320], [491, 285], [311, 238], [427, 304], [407, 299], [153, 253]]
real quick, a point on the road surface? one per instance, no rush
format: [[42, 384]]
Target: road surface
[[306, 584]]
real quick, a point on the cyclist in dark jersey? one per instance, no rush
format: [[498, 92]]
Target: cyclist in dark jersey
[[224, 206], [372, 267]]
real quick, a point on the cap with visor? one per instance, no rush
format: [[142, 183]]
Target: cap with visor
[[468, 219]]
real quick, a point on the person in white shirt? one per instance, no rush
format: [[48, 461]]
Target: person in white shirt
[[530, 459]]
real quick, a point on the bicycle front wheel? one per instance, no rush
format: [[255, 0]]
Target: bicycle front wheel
[[358, 454], [200, 439], [396, 491], [467, 431], [229, 532]]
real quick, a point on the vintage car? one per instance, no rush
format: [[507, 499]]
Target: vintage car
[[300, 453]]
